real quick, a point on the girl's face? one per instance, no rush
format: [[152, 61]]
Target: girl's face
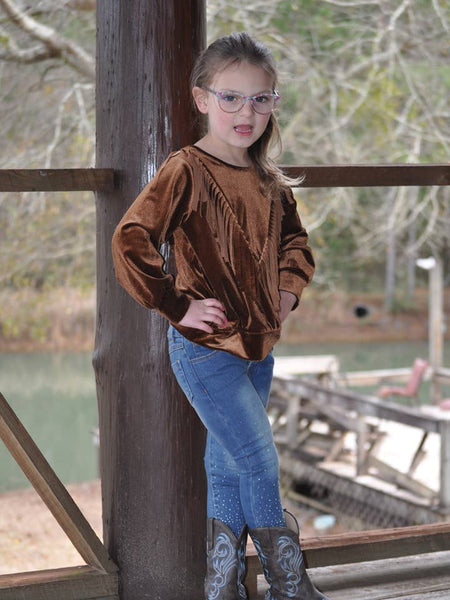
[[231, 134]]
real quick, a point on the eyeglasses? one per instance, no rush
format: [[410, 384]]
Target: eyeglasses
[[231, 102]]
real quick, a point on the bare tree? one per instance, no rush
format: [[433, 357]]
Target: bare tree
[[47, 102], [362, 81], [43, 42]]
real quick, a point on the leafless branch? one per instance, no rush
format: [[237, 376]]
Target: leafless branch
[[54, 45]]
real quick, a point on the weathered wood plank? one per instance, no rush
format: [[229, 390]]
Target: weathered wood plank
[[347, 493], [371, 545], [95, 179], [373, 377], [445, 465], [56, 180], [154, 492], [416, 578], [370, 175], [72, 583], [377, 544], [389, 473], [367, 405], [44, 480]]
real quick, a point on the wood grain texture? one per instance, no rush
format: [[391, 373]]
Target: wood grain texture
[[56, 180], [421, 577], [44, 480], [370, 175], [151, 442], [72, 583]]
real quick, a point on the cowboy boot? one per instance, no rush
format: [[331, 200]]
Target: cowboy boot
[[225, 562], [281, 557]]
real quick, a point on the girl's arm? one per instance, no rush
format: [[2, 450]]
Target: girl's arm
[[287, 302], [149, 221], [296, 262], [139, 266]]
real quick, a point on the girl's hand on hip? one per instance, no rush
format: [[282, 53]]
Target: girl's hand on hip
[[202, 312], [287, 301]]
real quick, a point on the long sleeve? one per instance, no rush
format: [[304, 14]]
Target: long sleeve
[[229, 241], [296, 262], [149, 222]]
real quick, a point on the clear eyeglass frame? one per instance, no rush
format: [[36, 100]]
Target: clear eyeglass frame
[[232, 102]]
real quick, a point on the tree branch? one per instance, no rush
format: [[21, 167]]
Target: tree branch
[[23, 56], [55, 46]]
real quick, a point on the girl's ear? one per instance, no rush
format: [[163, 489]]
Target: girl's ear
[[201, 99]]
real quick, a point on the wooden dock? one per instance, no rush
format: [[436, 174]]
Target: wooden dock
[[411, 563], [412, 578], [375, 463], [351, 450]]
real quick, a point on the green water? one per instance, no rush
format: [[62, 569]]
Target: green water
[[54, 396], [372, 356], [364, 357]]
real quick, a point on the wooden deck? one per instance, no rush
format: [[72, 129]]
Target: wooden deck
[[412, 578], [330, 437], [408, 563]]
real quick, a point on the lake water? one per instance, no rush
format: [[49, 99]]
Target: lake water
[[54, 396]]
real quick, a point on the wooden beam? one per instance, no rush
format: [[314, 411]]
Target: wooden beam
[[56, 180], [58, 500], [370, 175], [436, 326], [371, 545], [376, 544], [71, 583], [367, 405], [377, 549], [344, 493], [151, 441], [410, 578], [104, 179], [444, 491]]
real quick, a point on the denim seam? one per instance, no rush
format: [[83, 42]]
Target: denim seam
[[201, 359]]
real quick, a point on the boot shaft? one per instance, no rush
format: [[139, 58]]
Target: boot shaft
[[281, 557], [225, 562]]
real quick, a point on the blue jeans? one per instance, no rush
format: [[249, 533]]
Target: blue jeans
[[230, 396]]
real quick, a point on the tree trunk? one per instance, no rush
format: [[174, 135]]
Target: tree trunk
[[151, 442]]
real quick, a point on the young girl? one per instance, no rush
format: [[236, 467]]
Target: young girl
[[242, 262]]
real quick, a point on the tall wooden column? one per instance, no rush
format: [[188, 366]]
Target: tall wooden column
[[151, 443]]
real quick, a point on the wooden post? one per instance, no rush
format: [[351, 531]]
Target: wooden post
[[436, 325], [151, 442], [444, 491], [292, 413], [361, 442]]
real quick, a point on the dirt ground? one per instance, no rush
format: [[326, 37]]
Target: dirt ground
[[31, 539]]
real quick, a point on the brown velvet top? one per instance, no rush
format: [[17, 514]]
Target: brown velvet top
[[230, 242]]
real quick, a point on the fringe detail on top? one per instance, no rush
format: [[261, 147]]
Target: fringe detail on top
[[243, 260]]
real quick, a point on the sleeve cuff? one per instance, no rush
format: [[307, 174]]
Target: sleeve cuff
[[174, 305]]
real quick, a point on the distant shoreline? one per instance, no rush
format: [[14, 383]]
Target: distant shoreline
[[68, 319]]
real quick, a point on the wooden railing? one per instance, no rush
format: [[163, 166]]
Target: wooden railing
[[98, 578], [54, 180]]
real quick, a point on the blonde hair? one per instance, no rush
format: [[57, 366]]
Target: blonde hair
[[237, 48]]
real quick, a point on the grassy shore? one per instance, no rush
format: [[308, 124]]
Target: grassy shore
[[64, 319]]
